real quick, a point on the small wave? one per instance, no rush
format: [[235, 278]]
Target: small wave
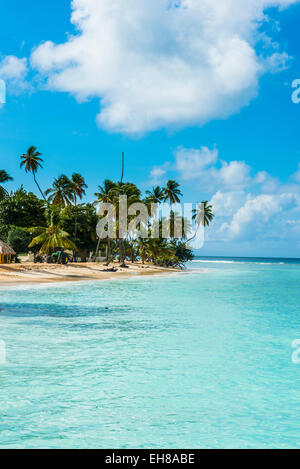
[[216, 262], [237, 262]]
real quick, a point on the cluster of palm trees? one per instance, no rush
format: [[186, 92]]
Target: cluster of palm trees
[[157, 249], [67, 192], [64, 192], [110, 192]]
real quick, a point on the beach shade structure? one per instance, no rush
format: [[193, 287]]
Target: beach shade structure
[[6, 253]]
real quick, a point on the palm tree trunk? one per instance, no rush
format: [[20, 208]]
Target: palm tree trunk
[[38, 186], [122, 252], [123, 163], [75, 231], [97, 248], [108, 254]]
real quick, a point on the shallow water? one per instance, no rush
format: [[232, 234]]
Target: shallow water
[[194, 360]]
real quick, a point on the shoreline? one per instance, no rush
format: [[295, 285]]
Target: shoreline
[[40, 274]]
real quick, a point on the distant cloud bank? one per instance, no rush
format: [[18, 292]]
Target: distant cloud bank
[[248, 207]]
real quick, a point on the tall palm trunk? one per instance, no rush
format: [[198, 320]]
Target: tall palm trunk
[[122, 252], [132, 254], [75, 231], [97, 248], [108, 254], [38, 186]]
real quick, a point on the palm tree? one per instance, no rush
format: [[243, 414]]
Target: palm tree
[[32, 162], [142, 249], [133, 195], [4, 177], [61, 192], [50, 238], [172, 192], [155, 248], [155, 196], [105, 196], [78, 186], [203, 214]]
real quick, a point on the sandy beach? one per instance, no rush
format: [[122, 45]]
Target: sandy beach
[[30, 273]]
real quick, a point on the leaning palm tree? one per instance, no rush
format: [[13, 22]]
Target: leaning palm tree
[[32, 162], [172, 192], [203, 214], [61, 192], [4, 177]]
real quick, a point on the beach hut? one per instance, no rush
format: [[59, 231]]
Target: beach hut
[[6, 253]]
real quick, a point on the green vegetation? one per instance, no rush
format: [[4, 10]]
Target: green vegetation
[[18, 239], [60, 219], [4, 177]]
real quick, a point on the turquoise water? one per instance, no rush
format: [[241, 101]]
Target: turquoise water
[[194, 360]]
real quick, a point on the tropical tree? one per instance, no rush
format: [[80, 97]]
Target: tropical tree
[[78, 186], [155, 247], [155, 196], [18, 239], [203, 214], [181, 251], [53, 236], [142, 249], [21, 209], [105, 196], [32, 162], [86, 220], [172, 192], [133, 195], [61, 193], [4, 177], [153, 199], [110, 193]]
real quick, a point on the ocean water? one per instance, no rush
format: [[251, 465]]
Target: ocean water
[[200, 359]]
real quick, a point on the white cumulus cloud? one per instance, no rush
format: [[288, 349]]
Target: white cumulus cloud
[[262, 216], [248, 206], [161, 63], [13, 71], [204, 166]]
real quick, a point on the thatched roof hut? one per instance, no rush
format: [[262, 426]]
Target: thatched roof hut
[[6, 252]]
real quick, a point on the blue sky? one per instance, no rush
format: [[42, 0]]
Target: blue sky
[[238, 147]]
